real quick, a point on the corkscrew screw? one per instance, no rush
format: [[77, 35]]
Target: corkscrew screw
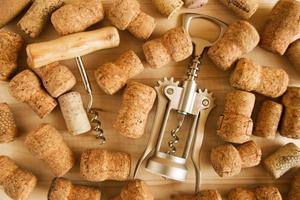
[[187, 101]]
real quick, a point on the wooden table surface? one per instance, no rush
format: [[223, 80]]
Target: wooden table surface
[[210, 78]]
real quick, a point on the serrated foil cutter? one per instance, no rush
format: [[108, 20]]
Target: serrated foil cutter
[[186, 100]]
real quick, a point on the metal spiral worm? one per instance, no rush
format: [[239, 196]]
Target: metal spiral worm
[[96, 125], [172, 143]]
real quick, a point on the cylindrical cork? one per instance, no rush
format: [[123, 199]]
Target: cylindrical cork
[[26, 87], [290, 126], [77, 16], [250, 154], [243, 9], [282, 160], [63, 189], [138, 100], [101, 165], [202, 195], [168, 7], [136, 189], [241, 194], [16, 182], [74, 113], [111, 77], [293, 53], [8, 127], [294, 193], [268, 118], [10, 45], [282, 26], [47, 144], [239, 39], [57, 79], [267, 193]]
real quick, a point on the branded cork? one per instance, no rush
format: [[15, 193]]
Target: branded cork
[[27, 88], [242, 8], [74, 113], [63, 189], [268, 118], [16, 182], [47, 144], [294, 193], [77, 16], [168, 7], [126, 14], [282, 160], [138, 100], [264, 192], [112, 76], [293, 54], [281, 27], [174, 45], [8, 127], [136, 189], [265, 80], [10, 45], [239, 39], [101, 165], [202, 195]]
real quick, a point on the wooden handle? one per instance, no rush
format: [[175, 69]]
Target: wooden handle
[[71, 46]]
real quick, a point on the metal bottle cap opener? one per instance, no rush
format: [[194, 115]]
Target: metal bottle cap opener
[[186, 100]]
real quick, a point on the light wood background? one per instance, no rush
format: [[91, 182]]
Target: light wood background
[[210, 78]]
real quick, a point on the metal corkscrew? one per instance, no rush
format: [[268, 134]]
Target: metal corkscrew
[[185, 100]]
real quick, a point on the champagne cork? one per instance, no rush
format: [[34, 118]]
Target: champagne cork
[[47, 144], [290, 126], [8, 127], [101, 165], [77, 16], [235, 125], [268, 81], [16, 182], [138, 100], [26, 87], [282, 26], [57, 79], [10, 45], [228, 160], [239, 39], [293, 54], [202, 195], [241, 194], [243, 9], [168, 7], [265, 192], [282, 160], [126, 14], [194, 3], [268, 118], [136, 189], [294, 193], [63, 189], [111, 77], [174, 45], [74, 113]]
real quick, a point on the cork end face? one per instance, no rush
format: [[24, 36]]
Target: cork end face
[[291, 98], [241, 193]]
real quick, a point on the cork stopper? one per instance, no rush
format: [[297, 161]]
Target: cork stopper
[[10, 45], [74, 113], [202, 195], [111, 77], [267, 193], [282, 26], [250, 154], [241, 194], [293, 54], [136, 189], [294, 193], [282, 160], [138, 100], [101, 165], [291, 98], [47, 144], [8, 127], [239, 39], [156, 53], [243, 9], [26, 87], [63, 189], [56, 78], [168, 7]]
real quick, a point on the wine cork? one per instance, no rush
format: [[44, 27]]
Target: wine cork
[[63, 189], [77, 16], [8, 127], [250, 154], [268, 118], [57, 78], [235, 125], [194, 3], [282, 26], [241, 194], [111, 77], [101, 165], [26, 87], [293, 54], [202, 195], [74, 113], [168, 7], [174, 45], [47, 144], [126, 14], [294, 193], [16, 182], [290, 126], [138, 100], [265, 192], [10, 45], [282, 160], [243, 9], [268, 81], [136, 189], [239, 39]]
